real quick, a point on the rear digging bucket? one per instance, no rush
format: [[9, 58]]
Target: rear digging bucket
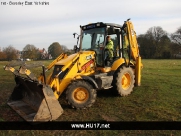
[[34, 101]]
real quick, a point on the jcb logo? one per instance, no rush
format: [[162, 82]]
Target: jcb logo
[[89, 57]]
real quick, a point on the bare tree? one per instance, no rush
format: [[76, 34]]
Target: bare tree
[[159, 40], [156, 32], [2, 56], [176, 37], [10, 52]]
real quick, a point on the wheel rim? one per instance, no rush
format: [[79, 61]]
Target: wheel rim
[[80, 95], [126, 81]]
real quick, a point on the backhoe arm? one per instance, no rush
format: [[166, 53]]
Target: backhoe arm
[[132, 40], [134, 50]]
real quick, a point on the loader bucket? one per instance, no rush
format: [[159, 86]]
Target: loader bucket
[[34, 101]]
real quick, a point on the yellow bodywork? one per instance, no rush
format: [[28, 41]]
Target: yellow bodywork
[[131, 34], [67, 69], [82, 63]]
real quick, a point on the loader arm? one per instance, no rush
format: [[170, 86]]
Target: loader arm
[[52, 64], [60, 85]]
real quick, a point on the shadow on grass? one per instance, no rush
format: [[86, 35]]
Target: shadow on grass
[[107, 93]]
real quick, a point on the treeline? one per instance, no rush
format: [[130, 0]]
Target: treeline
[[157, 44], [154, 44], [30, 52]]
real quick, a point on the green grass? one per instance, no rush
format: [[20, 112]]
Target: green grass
[[157, 99]]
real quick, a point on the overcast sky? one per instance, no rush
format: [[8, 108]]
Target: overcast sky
[[41, 25]]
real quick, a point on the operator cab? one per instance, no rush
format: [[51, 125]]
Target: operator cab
[[93, 37]]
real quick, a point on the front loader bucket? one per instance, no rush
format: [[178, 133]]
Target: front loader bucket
[[34, 101]]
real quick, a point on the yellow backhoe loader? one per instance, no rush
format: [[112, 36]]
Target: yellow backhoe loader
[[81, 74]]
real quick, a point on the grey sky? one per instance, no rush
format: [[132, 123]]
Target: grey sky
[[41, 25]]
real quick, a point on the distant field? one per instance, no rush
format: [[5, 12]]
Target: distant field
[[157, 99]]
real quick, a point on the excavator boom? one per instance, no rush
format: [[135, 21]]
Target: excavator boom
[[134, 50]]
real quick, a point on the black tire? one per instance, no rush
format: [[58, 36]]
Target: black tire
[[80, 94], [124, 80]]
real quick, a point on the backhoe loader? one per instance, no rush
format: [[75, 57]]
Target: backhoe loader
[[79, 75]]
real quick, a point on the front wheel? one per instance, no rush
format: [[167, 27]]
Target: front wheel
[[80, 94], [124, 81]]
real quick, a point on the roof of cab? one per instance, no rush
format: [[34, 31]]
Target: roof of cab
[[103, 24]]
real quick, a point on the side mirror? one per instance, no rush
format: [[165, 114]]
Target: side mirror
[[75, 46], [74, 34]]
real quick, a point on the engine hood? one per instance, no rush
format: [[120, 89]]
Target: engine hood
[[66, 60], [82, 54]]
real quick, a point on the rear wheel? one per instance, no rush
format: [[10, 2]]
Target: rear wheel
[[124, 81], [80, 94]]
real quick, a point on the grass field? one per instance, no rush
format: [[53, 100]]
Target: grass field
[[157, 99]]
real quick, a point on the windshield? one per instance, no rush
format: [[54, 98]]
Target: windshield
[[93, 38]]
